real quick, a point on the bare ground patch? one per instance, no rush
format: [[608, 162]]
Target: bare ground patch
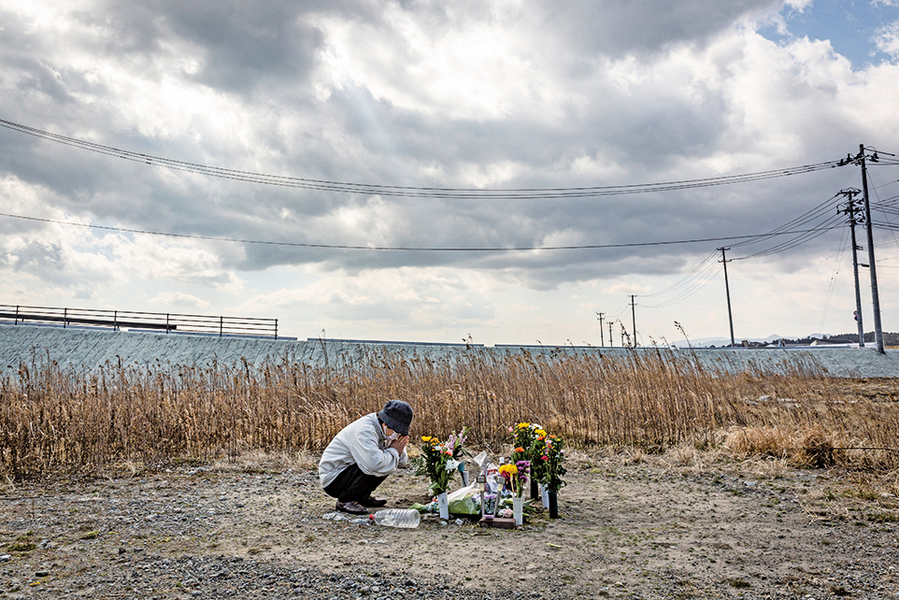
[[681, 525]]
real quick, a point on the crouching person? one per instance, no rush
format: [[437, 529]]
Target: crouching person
[[363, 454]]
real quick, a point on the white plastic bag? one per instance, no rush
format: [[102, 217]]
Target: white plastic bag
[[465, 501]]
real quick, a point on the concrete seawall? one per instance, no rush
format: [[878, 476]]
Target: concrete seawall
[[90, 348]]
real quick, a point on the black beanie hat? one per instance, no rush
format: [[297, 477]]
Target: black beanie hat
[[397, 415]]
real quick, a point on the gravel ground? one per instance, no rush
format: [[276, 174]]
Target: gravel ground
[[630, 528]]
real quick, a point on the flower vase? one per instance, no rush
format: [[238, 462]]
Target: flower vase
[[553, 504], [443, 505], [489, 506], [535, 492], [518, 510], [544, 495]]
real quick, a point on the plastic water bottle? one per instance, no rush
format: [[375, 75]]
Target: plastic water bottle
[[397, 517]]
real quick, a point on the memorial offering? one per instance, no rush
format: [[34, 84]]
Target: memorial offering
[[549, 452], [524, 435], [516, 476], [441, 460], [498, 493]]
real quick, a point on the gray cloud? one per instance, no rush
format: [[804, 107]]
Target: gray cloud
[[620, 27], [267, 55]]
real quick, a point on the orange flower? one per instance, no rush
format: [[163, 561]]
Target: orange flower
[[519, 449]]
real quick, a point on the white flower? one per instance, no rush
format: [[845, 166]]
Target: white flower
[[452, 464]]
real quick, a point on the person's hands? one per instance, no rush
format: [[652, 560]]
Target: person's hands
[[400, 443]]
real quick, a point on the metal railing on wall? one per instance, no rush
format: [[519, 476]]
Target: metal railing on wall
[[129, 319]]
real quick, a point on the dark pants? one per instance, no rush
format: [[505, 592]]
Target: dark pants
[[352, 485]]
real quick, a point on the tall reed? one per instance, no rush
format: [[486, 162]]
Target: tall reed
[[54, 419]]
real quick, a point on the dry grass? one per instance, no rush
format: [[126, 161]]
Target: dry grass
[[54, 420]]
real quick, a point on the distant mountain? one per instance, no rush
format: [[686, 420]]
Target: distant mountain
[[889, 339]]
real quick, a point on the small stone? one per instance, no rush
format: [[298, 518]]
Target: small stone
[[42, 573], [5, 558]]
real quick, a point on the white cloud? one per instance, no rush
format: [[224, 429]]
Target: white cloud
[[521, 94], [887, 40], [181, 301], [799, 5]]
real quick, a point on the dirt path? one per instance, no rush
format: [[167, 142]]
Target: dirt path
[[629, 529]]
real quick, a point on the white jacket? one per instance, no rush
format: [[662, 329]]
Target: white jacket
[[363, 443]]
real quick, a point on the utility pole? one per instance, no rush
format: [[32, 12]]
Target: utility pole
[[730, 315], [634, 318], [602, 342], [851, 207], [875, 295], [611, 341]]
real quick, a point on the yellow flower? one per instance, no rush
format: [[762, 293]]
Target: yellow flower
[[540, 433], [426, 438], [510, 469], [523, 425]]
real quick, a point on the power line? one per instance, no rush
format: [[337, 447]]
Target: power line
[[409, 191], [698, 285], [805, 236], [383, 248], [883, 205], [820, 210], [616, 314], [833, 277], [697, 279], [684, 280]]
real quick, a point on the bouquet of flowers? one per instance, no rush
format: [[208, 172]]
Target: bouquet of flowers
[[550, 452], [535, 454], [516, 476], [523, 436], [441, 459]]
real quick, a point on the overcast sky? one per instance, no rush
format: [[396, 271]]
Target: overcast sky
[[482, 95]]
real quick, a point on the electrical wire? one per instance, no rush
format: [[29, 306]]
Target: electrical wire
[[408, 191], [381, 248], [826, 222], [833, 277], [808, 216], [616, 314], [831, 224], [693, 284], [683, 281], [886, 207]]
